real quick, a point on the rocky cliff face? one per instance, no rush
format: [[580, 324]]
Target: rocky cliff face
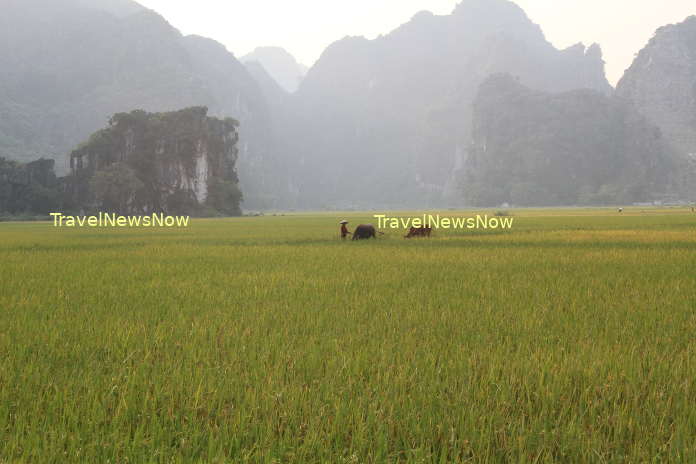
[[178, 162], [274, 94], [280, 65], [661, 83], [67, 65], [578, 147], [386, 121]]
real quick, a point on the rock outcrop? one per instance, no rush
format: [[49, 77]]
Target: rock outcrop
[[274, 94], [67, 65], [533, 148], [178, 162], [661, 83], [280, 65], [386, 121]]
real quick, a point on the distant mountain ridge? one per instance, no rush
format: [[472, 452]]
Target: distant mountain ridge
[[280, 65], [403, 120], [66, 67], [368, 118], [532, 148], [661, 83], [118, 8]]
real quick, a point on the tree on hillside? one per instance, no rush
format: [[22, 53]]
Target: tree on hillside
[[115, 187]]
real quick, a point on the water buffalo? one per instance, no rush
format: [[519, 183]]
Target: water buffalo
[[364, 231], [419, 232]]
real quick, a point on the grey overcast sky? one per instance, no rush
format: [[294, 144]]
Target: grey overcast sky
[[306, 27]]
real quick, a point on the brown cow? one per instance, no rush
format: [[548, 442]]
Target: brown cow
[[424, 231]]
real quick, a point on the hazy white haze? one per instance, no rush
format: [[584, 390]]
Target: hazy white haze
[[306, 27]]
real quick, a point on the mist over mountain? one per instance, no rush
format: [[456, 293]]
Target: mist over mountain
[[275, 95], [280, 65], [533, 148], [387, 121], [661, 83], [410, 119], [115, 7], [67, 65]]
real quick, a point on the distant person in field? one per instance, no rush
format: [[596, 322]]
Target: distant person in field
[[344, 229]]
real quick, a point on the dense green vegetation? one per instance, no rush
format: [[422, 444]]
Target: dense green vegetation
[[268, 339], [68, 65], [532, 148], [389, 122], [181, 162], [672, 107], [28, 188]]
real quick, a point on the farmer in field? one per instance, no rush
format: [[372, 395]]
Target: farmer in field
[[344, 229]]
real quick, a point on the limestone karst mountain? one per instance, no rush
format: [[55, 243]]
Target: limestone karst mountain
[[181, 162], [67, 65], [275, 95], [534, 148], [661, 83], [280, 65], [387, 121], [115, 7]]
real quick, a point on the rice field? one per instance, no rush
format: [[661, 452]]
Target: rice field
[[569, 338]]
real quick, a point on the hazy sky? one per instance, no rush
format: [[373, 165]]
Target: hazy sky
[[306, 27]]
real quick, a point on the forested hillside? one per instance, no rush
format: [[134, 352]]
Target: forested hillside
[[387, 120], [67, 65], [533, 148]]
